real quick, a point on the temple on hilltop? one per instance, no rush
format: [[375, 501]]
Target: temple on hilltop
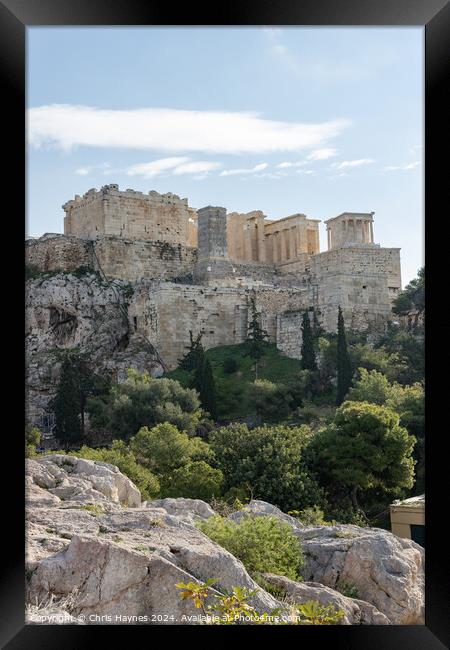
[[196, 269]]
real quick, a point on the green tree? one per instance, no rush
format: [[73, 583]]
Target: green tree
[[308, 357], [364, 447], [161, 449], [203, 382], [344, 368], [272, 402], [269, 460], [412, 298], [143, 401], [195, 480], [67, 404], [257, 337]]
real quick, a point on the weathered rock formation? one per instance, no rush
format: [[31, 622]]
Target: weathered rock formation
[[388, 571], [95, 551], [65, 311]]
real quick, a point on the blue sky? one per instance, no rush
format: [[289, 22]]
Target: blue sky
[[284, 120]]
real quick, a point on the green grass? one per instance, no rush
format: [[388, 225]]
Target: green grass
[[232, 388]]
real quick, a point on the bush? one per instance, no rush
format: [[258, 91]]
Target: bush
[[271, 401], [263, 544], [312, 516], [32, 440], [269, 461], [196, 480]]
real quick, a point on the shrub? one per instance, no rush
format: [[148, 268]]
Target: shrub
[[271, 401], [312, 516], [263, 544], [196, 480]]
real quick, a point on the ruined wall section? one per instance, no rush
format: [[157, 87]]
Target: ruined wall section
[[55, 252], [131, 215], [164, 313], [117, 258], [133, 260], [362, 280]]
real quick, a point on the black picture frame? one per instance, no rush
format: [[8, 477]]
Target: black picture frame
[[434, 15]]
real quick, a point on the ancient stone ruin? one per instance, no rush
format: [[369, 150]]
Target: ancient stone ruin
[[197, 270]]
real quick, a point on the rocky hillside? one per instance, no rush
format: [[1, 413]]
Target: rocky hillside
[[66, 310], [94, 550]]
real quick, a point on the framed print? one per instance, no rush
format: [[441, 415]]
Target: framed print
[[227, 369]]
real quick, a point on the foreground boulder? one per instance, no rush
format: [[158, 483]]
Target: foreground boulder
[[76, 479], [111, 560], [387, 571], [356, 612], [188, 510], [94, 552]]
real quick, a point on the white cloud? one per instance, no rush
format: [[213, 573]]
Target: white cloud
[[322, 154], [196, 167], [66, 126], [306, 172], [84, 171], [241, 171], [287, 165], [406, 167], [156, 167], [353, 163]]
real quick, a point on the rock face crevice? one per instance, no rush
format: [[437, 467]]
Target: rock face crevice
[[94, 549]]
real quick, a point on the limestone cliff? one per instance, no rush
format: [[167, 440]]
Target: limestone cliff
[[65, 311]]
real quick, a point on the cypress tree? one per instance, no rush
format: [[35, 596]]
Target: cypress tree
[[204, 384], [344, 367], [308, 357], [256, 337], [67, 404]]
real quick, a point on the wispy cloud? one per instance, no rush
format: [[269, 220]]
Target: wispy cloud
[[84, 171], [322, 154], [175, 165], [241, 171], [347, 164], [66, 126], [405, 167]]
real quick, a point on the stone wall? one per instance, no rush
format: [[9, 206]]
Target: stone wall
[[131, 215], [54, 252], [165, 312], [133, 260], [115, 257], [362, 280]]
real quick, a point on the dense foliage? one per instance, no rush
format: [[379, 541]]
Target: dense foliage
[[142, 401], [269, 460], [263, 544], [344, 367], [364, 447]]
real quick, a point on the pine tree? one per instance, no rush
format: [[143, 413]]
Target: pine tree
[[308, 357], [257, 337], [203, 382], [344, 367]]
